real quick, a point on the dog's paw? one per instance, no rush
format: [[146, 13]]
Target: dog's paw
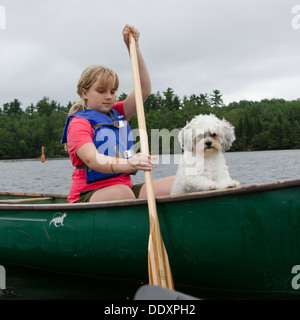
[[233, 184], [210, 186]]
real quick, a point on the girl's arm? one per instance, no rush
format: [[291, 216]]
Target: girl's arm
[[105, 164], [129, 102]]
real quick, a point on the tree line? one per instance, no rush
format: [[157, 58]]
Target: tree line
[[259, 125]]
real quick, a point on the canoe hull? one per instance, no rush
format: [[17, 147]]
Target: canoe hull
[[230, 240]]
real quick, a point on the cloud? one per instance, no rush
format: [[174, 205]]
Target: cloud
[[246, 49]]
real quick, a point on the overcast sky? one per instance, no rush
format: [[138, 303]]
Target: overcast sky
[[247, 49]]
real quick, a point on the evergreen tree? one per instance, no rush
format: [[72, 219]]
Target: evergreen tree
[[216, 99], [12, 107]]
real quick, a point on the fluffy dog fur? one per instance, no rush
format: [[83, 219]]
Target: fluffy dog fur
[[203, 165]]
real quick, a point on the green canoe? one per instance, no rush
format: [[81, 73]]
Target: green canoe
[[245, 239]]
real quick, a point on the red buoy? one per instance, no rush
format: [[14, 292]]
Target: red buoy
[[43, 155]]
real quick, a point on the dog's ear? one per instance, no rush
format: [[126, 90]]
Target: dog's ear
[[185, 138], [228, 135]]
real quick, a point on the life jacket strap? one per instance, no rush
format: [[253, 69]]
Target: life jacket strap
[[124, 155], [83, 166], [116, 124]]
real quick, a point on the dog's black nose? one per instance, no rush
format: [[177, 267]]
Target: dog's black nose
[[208, 143]]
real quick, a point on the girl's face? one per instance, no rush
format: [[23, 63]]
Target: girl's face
[[98, 98]]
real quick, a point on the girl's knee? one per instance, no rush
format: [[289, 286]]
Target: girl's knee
[[116, 192], [162, 187], [124, 192]]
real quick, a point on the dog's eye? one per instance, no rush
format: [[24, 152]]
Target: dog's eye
[[213, 134]]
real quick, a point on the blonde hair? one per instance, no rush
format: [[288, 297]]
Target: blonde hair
[[88, 77], [103, 75]]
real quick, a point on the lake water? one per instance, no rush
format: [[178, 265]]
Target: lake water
[[54, 176]]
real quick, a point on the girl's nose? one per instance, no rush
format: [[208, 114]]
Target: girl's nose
[[108, 95]]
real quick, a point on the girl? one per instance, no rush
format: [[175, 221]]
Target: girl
[[101, 176]]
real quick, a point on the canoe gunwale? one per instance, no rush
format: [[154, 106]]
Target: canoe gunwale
[[17, 201], [33, 195], [138, 202]]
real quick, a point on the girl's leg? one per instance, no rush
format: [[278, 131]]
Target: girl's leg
[[162, 187], [116, 192]]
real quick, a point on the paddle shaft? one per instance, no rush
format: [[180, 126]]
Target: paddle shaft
[[158, 263]]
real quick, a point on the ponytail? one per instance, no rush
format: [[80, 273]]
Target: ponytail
[[80, 105]]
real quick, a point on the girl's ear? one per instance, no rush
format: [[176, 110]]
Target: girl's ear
[[84, 93]]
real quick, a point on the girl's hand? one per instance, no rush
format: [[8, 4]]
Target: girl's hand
[[136, 34], [139, 161]]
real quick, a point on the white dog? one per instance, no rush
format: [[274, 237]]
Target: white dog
[[203, 165]]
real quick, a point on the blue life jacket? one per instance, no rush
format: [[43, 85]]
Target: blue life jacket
[[112, 137]]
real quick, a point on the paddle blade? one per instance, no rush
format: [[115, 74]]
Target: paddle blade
[[158, 262]]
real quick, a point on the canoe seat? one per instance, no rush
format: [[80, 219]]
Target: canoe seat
[[15, 201]]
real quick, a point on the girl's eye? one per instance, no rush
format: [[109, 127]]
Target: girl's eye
[[103, 91]]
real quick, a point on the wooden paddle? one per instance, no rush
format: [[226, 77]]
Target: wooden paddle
[[158, 262]]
